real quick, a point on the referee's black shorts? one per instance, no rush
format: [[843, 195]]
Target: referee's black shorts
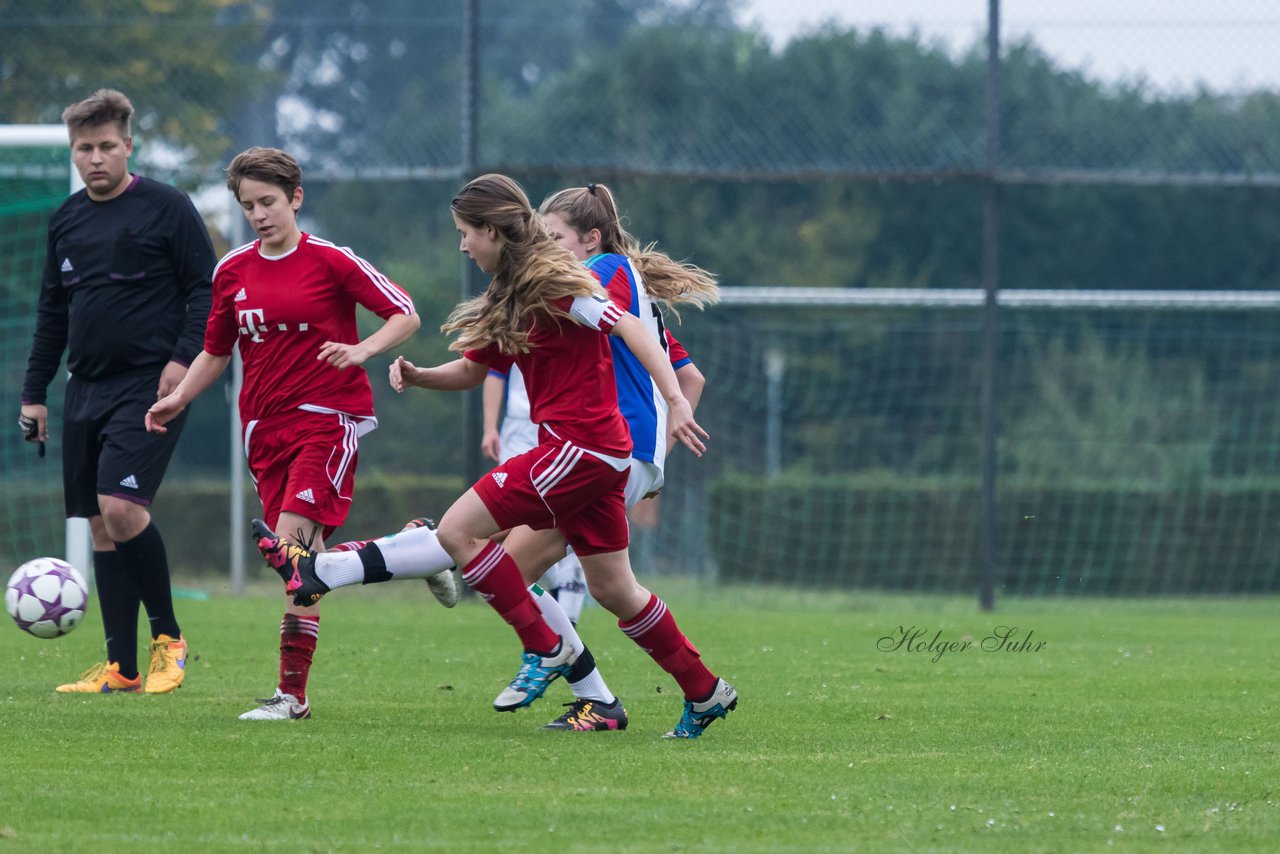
[[106, 449]]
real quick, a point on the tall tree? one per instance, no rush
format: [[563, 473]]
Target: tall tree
[[181, 62]]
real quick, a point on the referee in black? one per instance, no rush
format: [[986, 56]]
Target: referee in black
[[126, 292]]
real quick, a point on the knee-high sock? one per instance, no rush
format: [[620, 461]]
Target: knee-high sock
[[118, 601], [298, 638], [655, 631], [495, 576], [567, 583], [585, 678], [144, 560], [415, 553]]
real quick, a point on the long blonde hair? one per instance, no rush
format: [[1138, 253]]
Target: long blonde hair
[[670, 281], [534, 272]]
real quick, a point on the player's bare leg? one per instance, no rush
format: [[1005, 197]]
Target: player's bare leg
[[645, 619], [465, 532], [299, 635], [595, 707]]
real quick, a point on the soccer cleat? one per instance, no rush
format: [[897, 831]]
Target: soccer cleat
[[698, 716], [536, 673], [592, 716], [102, 678], [278, 707], [168, 665], [295, 564], [445, 586]]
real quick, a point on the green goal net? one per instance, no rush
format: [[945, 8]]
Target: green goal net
[[1139, 443], [35, 174]]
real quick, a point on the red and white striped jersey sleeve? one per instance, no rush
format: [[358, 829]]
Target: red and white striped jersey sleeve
[[364, 282], [597, 312]]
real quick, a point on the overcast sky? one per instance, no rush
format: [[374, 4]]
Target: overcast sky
[[1174, 44]]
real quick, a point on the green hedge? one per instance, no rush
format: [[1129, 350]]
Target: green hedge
[[900, 533], [871, 531]]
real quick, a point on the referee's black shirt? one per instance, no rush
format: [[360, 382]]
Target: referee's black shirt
[[127, 286]]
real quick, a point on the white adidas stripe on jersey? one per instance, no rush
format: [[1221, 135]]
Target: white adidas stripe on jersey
[[239, 250], [381, 282]]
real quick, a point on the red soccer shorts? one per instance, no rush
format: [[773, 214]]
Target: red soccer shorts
[[305, 463], [560, 486]]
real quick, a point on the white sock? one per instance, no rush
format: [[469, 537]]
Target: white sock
[[556, 618], [415, 553], [592, 686], [570, 585], [339, 569]]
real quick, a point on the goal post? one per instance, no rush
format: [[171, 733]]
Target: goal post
[[36, 176]]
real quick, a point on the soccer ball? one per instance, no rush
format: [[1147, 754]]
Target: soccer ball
[[46, 597]]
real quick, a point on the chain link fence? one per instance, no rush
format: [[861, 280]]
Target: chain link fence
[[664, 88], [853, 155]]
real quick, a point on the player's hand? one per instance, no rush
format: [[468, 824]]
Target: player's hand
[[491, 445], [343, 356], [162, 412], [169, 378], [680, 425], [401, 373], [33, 420]]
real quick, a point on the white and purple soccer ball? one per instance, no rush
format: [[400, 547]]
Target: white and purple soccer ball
[[46, 597]]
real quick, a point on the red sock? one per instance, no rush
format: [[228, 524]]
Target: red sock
[[495, 576], [349, 546], [655, 631], [298, 637]]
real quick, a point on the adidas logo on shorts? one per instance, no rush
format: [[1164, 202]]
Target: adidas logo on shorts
[[501, 478], [66, 265], [131, 482], [306, 495]]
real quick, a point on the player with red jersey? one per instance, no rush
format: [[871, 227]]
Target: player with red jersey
[[585, 221], [288, 303], [544, 312]]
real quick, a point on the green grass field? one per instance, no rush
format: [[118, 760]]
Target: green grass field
[[1137, 725]]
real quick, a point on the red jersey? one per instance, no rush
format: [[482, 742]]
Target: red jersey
[[279, 311], [679, 355], [568, 372]]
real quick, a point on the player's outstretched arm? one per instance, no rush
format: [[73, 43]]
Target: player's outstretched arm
[[203, 371], [395, 331], [691, 384], [495, 388], [680, 421], [170, 378], [458, 375]]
